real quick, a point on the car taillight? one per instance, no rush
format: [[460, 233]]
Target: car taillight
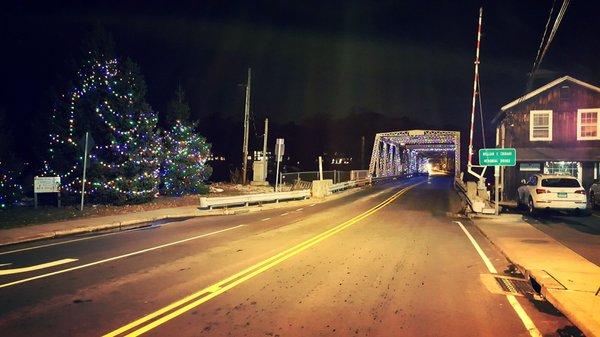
[[580, 191], [541, 191]]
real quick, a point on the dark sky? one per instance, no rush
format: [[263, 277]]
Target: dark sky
[[411, 58]]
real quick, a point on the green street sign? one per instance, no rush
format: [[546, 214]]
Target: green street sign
[[498, 157]]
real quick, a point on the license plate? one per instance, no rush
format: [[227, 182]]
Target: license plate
[[562, 194]]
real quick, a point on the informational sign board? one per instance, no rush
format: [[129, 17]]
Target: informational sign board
[[46, 184], [498, 157], [279, 149]]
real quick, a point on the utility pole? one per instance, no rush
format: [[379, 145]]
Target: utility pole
[[264, 153], [265, 139], [362, 152], [246, 127]]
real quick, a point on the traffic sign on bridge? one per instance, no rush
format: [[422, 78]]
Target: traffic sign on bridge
[[498, 157]]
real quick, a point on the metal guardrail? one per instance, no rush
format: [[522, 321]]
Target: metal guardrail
[[342, 186], [206, 202], [402, 176]]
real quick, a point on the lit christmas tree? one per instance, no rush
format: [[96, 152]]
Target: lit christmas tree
[[10, 190], [184, 168], [107, 100]]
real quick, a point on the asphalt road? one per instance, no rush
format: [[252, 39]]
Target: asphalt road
[[384, 261]]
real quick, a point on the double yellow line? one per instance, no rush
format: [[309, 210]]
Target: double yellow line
[[189, 302]]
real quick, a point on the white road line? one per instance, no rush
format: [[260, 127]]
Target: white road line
[[286, 213], [5, 264], [265, 219], [596, 215], [116, 257], [484, 257], [299, 210], [312, 205], [527, 322]]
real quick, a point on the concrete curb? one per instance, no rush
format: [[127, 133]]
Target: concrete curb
[[548, 288], [143, 222]]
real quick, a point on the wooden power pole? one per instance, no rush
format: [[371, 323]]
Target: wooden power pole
[[246, 127]]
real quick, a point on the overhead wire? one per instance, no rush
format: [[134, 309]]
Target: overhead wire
[[541, 47]]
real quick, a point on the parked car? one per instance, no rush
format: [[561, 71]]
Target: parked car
[[594, 194], [556, 192]]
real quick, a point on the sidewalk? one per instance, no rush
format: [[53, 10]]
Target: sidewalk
[[138, 219], [86, 225], [569, 281]]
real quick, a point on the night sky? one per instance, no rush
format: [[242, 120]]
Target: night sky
[[410, 59]]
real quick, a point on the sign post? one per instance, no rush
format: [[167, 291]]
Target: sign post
[[88, 144], [45, 185], [279, 151], [497, 157]]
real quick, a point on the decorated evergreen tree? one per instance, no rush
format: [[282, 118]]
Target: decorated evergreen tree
[[184, 168], [108, 101], [11, 190]]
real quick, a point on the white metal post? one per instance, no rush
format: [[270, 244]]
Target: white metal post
[[277, 176], [320, 168]]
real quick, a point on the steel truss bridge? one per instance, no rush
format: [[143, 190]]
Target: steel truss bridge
[[399, 152]]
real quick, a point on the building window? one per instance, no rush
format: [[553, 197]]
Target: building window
[[588, 124], [565, 93], [568, 168], [540, 125]]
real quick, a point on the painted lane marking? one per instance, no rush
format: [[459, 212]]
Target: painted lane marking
[[116, 257], [265, 219], [189, 302], [484, 257], [312, 205], [5, 264], [527, 322], [284, 214], [36, 267], [596, 215], [299, 210]]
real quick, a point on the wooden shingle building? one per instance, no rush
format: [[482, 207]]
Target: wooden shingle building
[[555, 130]]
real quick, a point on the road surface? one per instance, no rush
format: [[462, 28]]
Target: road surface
[[385, 261]]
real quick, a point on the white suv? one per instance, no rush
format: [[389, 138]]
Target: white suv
[[543, 191]]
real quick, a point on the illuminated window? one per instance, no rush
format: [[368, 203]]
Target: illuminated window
[[540, 125], [588, 124]]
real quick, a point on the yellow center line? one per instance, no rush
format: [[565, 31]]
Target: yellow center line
[[191, 301], [36, 267]]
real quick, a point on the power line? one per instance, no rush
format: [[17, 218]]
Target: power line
[[545, 42]]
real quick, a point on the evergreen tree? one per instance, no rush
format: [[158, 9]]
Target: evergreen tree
[[108, 101], [184, 169], [178, 108], [10, 172]]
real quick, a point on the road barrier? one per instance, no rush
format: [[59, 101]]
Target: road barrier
[[460, 186], [237, 200], [342, 186], [384, 179], [206, 202]]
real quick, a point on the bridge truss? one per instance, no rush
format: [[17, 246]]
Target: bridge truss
[[399, 152]]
